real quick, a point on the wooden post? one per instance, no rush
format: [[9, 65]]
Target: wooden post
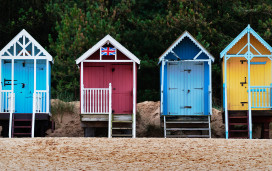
[[226, 103], [12, 99], [110, 110], [249, 93], [81, 87], [162, 80], [34, 100], [47, 86], [134, 101]]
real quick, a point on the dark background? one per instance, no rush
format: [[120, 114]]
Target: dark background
[[147, 28]]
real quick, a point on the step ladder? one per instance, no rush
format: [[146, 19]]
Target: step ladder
[[187, 126], [21, 125], [238, 125], [122, 126]]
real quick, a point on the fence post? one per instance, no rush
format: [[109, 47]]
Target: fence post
[[110, 110]]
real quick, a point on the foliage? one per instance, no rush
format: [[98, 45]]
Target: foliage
[[68, 28]]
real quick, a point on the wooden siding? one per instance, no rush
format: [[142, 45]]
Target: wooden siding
[[185, 88], [99, 75], [236, 73]]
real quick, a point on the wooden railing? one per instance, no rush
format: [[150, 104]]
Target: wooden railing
[[260, 96], [41, 105], [6, 101], [96, 100]]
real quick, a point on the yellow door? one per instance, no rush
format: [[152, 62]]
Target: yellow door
[[237, 83]]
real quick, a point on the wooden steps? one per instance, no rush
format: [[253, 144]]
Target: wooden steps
[[238, 125], [21, 124], [187, 126], [122, 125]]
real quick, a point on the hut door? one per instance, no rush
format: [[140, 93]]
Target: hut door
[[176, 96], [194, 76], [237, 84], [122, 86], [23, 89]]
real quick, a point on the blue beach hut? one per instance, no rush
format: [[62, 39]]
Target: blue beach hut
[[185, 74], [25, 87]]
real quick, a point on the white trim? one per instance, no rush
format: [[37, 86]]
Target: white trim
[[163, 63], [164, 126], [199, 53], [47, 86], [34, 100], [81, 87], [116, 44], [185, 34], [15, 40], [110, 113], [108, 61], [199, 60], [22, 57], [134, 101], [12, 99], [226, 102], [210, 86]]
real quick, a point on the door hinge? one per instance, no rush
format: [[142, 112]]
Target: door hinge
[[199, 88], [172, 88], [242, 61]]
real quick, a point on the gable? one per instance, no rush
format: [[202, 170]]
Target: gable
[[119, 55], [256, 46], [24, 46], [107, 40], [239, 46], [186, 48]]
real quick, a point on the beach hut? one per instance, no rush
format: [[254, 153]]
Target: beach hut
[[247, 84], [108, 74], [25, 87], [185, 72]]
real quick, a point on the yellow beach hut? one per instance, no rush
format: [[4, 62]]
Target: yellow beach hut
[[247, 84]]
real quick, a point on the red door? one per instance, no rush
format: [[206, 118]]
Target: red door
[[122, 89]]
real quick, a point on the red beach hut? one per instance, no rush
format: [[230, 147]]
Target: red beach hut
[[108, 74]]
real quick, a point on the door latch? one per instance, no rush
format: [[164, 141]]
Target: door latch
[[188, 70], [242, 83], [23, 85], [243, 103]]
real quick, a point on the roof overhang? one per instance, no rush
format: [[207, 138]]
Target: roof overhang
[[101, 43]]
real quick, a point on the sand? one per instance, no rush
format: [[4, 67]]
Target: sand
[[131, 154]]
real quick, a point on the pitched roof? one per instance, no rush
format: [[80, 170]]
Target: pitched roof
[[16, 41], [181, 37], [248, 29], [114, 43]]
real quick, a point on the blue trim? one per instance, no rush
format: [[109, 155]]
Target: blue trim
[[245, 31], [227, 135], [250, 134], [224, 85], [257, 63], [206, 89], [257, 90]]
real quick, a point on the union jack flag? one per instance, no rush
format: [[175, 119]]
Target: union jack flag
[[108, 51]]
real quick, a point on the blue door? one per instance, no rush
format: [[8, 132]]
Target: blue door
[[23, 89], [185, 88]]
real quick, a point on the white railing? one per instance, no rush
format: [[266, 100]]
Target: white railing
[[261, 96], [41, 101], [6, 101], [96, 100]]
